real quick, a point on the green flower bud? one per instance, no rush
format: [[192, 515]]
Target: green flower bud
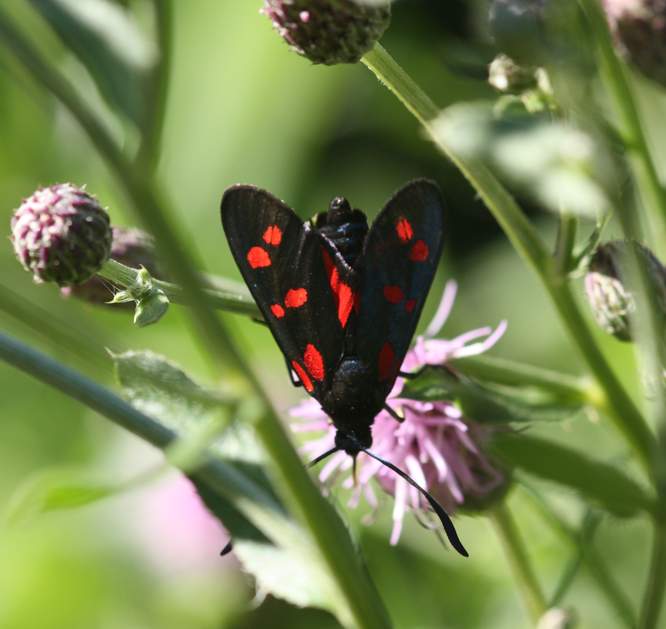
[[151, 302], [329, 31], [506, 76], [131, 247], [61, 234], [606, 285], [639, 27]]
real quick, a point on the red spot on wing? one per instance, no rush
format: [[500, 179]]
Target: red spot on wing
[[277, 310], [393, 294], [295, 297], [273, 235], [386, 361], [303, 376], [314, 363], [410, 304], [419, 252], [344, 297], [257, 257], [345, 302], [404, 229]]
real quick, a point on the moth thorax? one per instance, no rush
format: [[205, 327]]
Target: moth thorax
[[345, 227]]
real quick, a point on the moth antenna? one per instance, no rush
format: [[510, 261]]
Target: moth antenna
[[436, 507], [321, 457], [354, 476]]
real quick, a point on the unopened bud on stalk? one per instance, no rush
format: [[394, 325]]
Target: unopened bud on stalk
[[607, 285], [61, 234], [131, 247], [639, 27], [329, 31]]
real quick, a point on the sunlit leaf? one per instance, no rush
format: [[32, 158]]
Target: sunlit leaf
[[161, 389], [600, 482], [108, 41], [554, 163], [486, 403]]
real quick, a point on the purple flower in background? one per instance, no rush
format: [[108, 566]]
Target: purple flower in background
[[438, 447]]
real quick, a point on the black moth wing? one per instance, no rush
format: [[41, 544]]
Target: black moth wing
[[398, 263], [281, 261]]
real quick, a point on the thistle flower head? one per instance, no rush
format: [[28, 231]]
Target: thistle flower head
[[61, 234], [438, 447], [607, 288], [329, 31], [639, 27], [131, 247]]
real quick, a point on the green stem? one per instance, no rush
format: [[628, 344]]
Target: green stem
[[149, 151], [512, 373], [566, 240], [300, 493], [522, 235], [630, 127], [230, 301], [585, 538], [594, 562], [656, 587], [506, 529], [108, 404]]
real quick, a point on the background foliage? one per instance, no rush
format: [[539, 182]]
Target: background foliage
[[242, 108]]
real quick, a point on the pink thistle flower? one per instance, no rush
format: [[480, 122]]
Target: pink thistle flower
[[438, 447]]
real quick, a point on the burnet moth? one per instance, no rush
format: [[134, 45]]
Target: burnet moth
[[341, 300]]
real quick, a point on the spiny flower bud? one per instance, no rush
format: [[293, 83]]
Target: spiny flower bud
[[329, 31], [61, 234], [639, 27], [131, 247], [606, 285]]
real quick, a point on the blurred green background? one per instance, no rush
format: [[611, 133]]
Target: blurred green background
[[243, 108]]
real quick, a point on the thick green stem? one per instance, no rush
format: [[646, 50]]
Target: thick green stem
[[530, 246], [328, 531], [506, 529], [119, 411], [656, 587]]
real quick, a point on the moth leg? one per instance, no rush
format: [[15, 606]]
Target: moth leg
[[259, 321], [294, 380], [393, 413], [408, 375]]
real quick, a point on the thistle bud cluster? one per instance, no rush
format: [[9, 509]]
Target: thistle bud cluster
[[61, 234], [329, 31], [608, 285]]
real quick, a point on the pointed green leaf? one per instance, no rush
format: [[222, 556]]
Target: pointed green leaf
[[109, 43], [600, 482], [485, 403]]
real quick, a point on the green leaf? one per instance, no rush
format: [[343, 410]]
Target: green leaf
[[595, 480], [554, 163], [161, 389], [293, 569], [109, 43], [492, 404], [55, 490]]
